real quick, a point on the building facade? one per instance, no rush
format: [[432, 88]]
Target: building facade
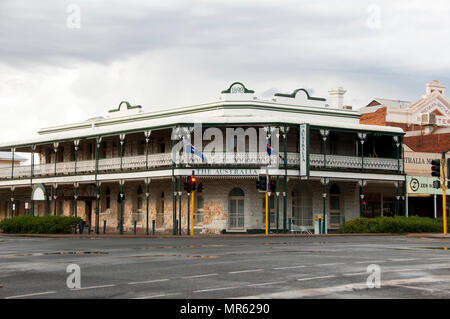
[[129, 167], [427, 135]]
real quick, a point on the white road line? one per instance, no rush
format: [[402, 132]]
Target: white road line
[[370, 262], [422, 288], [199, 276], [147, 282], [288, 267], [356, 274], [266, 283], [439, 258], [215, 289], [404, 259], [243, 271], [92, 287], [157, 296], [312, 278], [33, 294], [331, 264]]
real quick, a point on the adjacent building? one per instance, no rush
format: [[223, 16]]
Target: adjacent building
[[427, 135], [129, 167]]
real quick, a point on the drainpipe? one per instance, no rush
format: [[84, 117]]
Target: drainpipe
[[121, 206]]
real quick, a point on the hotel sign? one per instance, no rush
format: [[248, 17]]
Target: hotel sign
[[304, 150], [227, 171]]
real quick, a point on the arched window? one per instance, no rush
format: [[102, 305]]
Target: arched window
[[302, 207], [236, 209]]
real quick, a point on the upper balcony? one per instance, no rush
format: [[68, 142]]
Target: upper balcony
[[225, 159]]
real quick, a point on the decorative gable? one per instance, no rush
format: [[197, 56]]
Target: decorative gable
[[125, 109]]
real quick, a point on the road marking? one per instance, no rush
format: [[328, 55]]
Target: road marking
[[422, 288], [33, 294], [312, 278], [93, 287], [331, 264], [298, 293], [266, 283], [147, 282], [199, 276], [370, 262], [215, 289], [356, 274], [404, 259], [157, 296], [439, 258], [288, 267], [243, 271]]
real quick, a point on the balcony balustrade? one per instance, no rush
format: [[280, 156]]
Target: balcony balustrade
[[164, 160]]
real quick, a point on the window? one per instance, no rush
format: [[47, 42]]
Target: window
[[139, 198], [236, 209], [162, 148], [160, 211], [335, 206], [108, 198], [198, 215]]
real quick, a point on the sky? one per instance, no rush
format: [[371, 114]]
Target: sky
[[68, 61]]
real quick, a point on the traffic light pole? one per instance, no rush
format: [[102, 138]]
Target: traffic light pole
[[192, 213]]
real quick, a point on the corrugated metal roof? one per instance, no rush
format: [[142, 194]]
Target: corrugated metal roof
[[394, 103]]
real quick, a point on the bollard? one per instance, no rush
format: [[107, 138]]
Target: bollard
[[104, 226], [290, 224], [81, 227], [320, 225], [134, 228], [153, 226], [343, 224]]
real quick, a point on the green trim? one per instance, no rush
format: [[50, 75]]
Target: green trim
[[237, 83], [293, 95], [129, 107]]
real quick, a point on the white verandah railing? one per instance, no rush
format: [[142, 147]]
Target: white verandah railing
[[217, 158]]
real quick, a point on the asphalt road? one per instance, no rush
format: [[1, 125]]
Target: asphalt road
[[225, 267]]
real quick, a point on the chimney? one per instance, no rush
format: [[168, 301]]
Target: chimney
[[337, 97]]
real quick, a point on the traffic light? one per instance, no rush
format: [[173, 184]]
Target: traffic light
[[187, 185], [193, 183], [436, 168], [200, 188], [272, 186], [261, 183]]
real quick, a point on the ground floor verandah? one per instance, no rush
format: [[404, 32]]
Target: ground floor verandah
[[226, 204]]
